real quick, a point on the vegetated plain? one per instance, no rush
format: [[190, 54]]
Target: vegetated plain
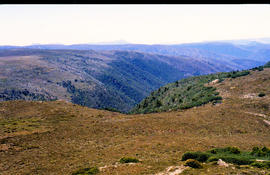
[[58, 137]]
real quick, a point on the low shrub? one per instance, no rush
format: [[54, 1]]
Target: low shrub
[[193, 163], [256, 151], [261, 94], [213, 151], [199, 156], [232, 159], [87, 171], [234, 150], [260, 153], [260, 68], [128, 160], [266, 150], [111, 109], [257, 164], [233, 155], [239, 74], [264, 164], [267, 65], [230, 150], [213, 159]]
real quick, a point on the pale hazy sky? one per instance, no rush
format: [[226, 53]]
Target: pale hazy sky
[[145, 24]]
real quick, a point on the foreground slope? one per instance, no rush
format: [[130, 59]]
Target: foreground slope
[[99, 79], [60, 138]]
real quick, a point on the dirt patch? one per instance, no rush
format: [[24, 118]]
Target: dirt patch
[[173, 170], [258, 114], [251, 95], [267, 122], [114, 166], [4, 147], [261, 115]]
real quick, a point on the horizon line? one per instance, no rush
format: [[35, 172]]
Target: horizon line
[[124, 42]]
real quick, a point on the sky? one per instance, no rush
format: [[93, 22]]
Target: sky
[[143, 24]]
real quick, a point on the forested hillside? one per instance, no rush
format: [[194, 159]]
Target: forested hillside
[[185, 93], [188, 92]]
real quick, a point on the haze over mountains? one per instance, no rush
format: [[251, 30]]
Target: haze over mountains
[[117, 75]]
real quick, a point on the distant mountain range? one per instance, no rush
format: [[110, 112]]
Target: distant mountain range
[[247, 52], [249, 41], [115, 76]]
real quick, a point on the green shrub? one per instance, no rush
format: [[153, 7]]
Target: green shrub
[[233, 155], [235, 74], [199, 156], [258, 164], [128, 160], [260, 153], [238, 160], [230, 150], [193, 163], [264, 164], [234, 150], [213, 151], [267, 64], [111, 109], [87, 171], [256, 151], [260, 68], [261, 94], [266, 150], [213, 159], [158, 103], [267, 164]]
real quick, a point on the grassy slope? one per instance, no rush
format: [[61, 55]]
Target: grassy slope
[[60, 138]]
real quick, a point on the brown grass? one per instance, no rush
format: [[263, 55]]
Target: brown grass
[[60, 138]]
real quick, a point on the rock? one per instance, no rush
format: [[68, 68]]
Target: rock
[[267, 122], [214, 81], [222, 163]]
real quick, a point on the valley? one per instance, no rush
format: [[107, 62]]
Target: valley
[[99, 79], [114, 77]]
